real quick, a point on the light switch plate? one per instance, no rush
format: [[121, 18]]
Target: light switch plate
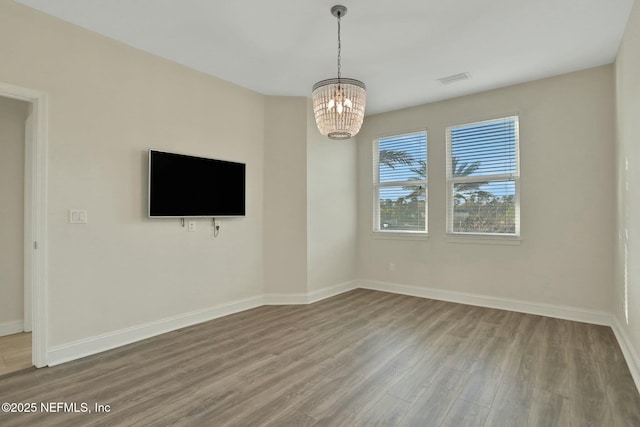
[[77, 216]]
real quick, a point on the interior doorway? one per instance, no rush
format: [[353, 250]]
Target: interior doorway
[[15, 304], [34, 309]]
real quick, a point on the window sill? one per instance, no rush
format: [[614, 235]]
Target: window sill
[[483, 240], [400, 235]]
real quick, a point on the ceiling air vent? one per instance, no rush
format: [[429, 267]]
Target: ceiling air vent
[[454, 78]]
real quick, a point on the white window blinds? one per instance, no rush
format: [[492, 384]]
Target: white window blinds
[[483, 177], [400, 183]]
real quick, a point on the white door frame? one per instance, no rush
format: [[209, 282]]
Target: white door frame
[[27, 235], [35, 217]]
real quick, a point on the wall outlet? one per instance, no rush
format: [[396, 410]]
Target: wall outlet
[[392, 266], [192, 226], [77, 216]]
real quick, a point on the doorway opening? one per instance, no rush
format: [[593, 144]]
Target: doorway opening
[[34, 221], [15, 303]]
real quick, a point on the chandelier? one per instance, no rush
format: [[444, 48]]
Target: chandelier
[[338, 103]]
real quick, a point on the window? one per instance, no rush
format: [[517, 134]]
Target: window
[[483, 176], [400, 183]]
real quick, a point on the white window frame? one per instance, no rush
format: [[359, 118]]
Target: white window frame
[[399, 234], [451, 181]]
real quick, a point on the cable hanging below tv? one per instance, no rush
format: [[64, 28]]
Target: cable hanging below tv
[[182, 186]]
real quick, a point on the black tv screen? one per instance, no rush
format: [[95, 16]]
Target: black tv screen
[[187, 186]]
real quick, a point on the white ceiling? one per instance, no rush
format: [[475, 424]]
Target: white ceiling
[[398, 48]]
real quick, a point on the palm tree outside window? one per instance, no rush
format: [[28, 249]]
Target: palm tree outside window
[[400, 183], [483, 178]]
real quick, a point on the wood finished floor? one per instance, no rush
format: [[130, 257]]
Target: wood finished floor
[[15, 352], [363, 358]]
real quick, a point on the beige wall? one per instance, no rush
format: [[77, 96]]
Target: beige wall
[[285, 195], [13, 114], [309, 202], [567, 221], [331, 208], [108, 104], [627, 289]]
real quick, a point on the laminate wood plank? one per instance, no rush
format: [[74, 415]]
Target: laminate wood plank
[[279, 399], [367, 366], [434, 403], [197, 402], [360, 399], [12, 342], [553, 371], [383, 307], [324, 396], [429, 358], [465, 357], [580, 337], [548, 409], [427, 336], [517, 392], [419, 308], [353, 405], [385, 412], [261, 395], [127, 376], [15, 353], [521, 368], [292, 418], [604, 344], [624, 402], [468, 327], [530, 333], [504, 413], [371, 360], [352, 374], [612, 366], [495, 316], [584, 380], [418, 379], [480, 389], [221, 391], [171, 406], [431, 339], [360, 358], [557, 333], [465, 414], [590, 411]]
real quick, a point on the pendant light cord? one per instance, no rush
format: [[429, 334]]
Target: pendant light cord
[[339, 47]]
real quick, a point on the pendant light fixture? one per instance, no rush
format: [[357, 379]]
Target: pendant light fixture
[[338, 103]]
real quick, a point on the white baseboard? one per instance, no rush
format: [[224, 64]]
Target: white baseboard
[[10, 328], [81, 348], [285, 299], [331, 291], [549, 310], [311, 297], [629, 352], [88, 346]]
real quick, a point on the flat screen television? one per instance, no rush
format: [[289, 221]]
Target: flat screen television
[[183, 186]]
